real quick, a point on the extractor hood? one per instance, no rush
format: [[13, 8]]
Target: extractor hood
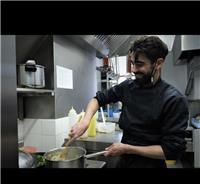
[[109, 45], [185, 47]]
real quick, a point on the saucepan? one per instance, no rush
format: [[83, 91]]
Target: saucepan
[[76, 157]]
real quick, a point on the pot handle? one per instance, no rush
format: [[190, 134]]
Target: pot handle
[[95, 154]]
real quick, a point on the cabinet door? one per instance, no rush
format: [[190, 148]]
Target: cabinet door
[[194, 66], [196, 147]]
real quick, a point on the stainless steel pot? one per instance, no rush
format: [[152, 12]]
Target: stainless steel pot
[[31, 75], [76, 157]]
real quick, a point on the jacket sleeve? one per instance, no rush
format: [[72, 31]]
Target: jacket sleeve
[[175, 117], [112, 95]]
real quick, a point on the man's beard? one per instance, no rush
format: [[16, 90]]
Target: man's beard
[[143, 79]]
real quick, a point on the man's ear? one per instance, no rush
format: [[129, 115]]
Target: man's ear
[[159, 63]]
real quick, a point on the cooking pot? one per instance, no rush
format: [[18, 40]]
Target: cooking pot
[[31, 75], [76, 157]]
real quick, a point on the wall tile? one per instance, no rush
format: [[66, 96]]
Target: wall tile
[[65, 124], [48, 127], [20, 130], [49, 142], [34, 140], [58, 126], [32, 126], [59, 140]]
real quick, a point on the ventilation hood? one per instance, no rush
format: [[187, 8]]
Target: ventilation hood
[[109, 45], [185, 47]]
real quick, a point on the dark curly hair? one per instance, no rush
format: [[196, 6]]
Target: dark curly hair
[[152, 46]]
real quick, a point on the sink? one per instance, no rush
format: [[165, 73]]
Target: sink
[[93, 147]]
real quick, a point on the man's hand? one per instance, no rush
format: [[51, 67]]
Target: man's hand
[[77, 130], [152, 151], [116, 149]]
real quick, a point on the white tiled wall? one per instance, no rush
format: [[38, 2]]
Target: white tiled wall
[[20, 130], [45, 134]]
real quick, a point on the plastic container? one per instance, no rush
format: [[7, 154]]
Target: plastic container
[[109, 127], [116, 114], [73, 117], [72, 112], [92, 126], [85, 135]]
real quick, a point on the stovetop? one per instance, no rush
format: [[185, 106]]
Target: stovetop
[[95, 164]]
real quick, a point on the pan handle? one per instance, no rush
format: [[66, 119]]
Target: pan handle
[[95, 154]]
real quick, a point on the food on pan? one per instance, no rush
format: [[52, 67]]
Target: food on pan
[[57, 156]]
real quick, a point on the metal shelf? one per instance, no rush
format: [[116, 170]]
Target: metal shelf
[[111, 81], [33, 92]]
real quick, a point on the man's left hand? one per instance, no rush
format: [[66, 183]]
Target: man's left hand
[[116, 149]]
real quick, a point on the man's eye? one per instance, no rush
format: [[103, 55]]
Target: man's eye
[[137, 63]]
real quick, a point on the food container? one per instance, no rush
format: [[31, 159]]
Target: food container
[[116, 114], [109, 127]]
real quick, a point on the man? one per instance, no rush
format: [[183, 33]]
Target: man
[[154, 114]]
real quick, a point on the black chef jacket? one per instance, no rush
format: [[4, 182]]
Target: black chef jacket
[[153, 115]]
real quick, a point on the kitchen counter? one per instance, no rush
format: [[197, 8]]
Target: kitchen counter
[[113, 137], [95, 164], [100, 142]]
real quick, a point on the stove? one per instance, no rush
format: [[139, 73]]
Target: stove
[[95, 164]]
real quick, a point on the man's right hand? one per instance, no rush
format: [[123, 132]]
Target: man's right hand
[[77, 130]]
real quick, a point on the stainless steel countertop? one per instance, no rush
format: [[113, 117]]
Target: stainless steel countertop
[[95, 164], [113, 137]]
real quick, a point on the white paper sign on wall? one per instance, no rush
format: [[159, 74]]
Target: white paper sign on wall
[[64, 77]]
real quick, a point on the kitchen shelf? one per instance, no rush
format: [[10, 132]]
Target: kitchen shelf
[[112, 81], [33, 92]]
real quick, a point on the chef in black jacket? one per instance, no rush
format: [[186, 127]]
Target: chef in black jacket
[[154, 113]]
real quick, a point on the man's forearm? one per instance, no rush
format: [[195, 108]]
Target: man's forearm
[[154, 151], [91, 110]]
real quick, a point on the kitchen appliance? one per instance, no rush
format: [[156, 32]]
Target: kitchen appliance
[[31, 75], [76, 158]]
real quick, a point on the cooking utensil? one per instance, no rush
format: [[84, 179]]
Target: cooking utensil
[[76, 158], [64, 154], [95, 154], [31, 75], [102, 114]]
